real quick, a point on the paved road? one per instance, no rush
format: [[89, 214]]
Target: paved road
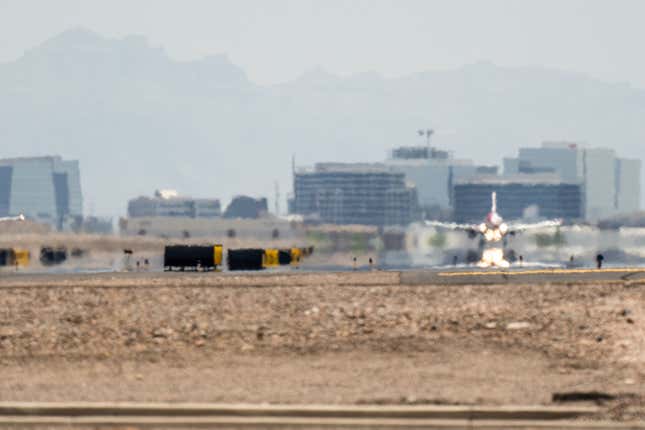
[[90, 415]]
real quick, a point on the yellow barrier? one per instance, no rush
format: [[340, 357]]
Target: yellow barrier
[[22, 257], [218, 252], [296, 255], [270, 258]]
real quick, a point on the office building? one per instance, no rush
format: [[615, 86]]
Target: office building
[[46, 189], [611, 185], [628, 185], [433, 172], [360, 193], [520, 196], [600, 183]]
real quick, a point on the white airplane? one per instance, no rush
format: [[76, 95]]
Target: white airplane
[[20, 217], [493, 230]]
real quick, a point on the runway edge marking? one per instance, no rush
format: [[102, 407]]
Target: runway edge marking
[[540, 272]]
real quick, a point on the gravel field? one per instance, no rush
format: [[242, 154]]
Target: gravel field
[[318, 338]]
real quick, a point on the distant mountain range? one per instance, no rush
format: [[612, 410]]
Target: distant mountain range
[[139, 120]]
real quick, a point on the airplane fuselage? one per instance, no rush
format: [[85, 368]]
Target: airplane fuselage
[[493, 228]]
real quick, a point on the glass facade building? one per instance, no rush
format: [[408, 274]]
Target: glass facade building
[[519, 197], [46, 189], [355, 193]]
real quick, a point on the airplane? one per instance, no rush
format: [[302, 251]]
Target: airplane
[[494, 229], [20, 217]]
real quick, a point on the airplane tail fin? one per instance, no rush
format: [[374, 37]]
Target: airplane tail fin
[[493, 207]]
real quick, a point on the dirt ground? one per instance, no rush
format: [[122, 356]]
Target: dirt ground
[[319, 338]]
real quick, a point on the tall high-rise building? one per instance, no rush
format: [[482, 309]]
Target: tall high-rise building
[[47, 189], [600, 183], [628, 185]]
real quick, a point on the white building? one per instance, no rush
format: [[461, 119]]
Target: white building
[[628, 185], [600, 183], [47, 189], [433, 173]]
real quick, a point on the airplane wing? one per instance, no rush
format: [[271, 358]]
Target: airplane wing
[[451, 225], [518, 228], [20, 217]]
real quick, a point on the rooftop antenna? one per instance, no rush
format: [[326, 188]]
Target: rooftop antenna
[[427, 133]]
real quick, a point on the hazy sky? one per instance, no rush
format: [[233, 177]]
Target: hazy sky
[[276, 40]]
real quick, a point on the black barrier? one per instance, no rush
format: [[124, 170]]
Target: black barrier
[[191, 257], [78, 252], [284, 257], [245, 259], [7, 257], [51, 256]]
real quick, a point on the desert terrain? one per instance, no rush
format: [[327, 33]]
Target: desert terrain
[[361, 338]]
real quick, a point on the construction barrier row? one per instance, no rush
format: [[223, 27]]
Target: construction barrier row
[[192, 257], [52, 256], [49, 256], [258, 259], [177, 257], [14, 257]]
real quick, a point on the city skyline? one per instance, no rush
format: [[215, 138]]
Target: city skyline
[[83, 95]]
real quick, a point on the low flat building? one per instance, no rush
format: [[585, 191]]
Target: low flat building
[[519, 197], [167, 203], [260, 230]]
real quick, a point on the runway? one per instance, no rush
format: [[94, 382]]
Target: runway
[[434, 276], [475, 276]]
